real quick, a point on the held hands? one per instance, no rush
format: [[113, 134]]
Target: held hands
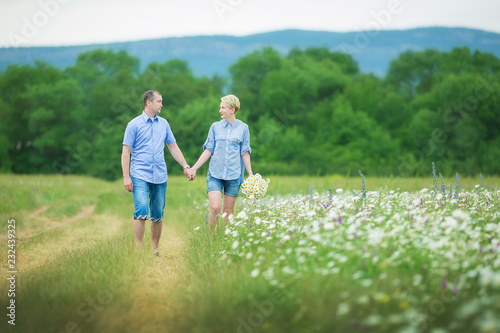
[[190, 173]]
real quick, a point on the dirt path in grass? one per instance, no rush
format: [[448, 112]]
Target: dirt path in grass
[[37, 212], [162, 285], [157, 305], [86, 212], [40, 253]]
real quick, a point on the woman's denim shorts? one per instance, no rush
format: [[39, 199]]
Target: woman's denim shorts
[[231, 187]]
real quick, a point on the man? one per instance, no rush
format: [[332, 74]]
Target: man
[[146, 176]]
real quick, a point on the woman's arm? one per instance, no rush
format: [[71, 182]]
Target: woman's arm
[[246, 163], [203, 158]]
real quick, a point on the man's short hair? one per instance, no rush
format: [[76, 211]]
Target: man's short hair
[[231, 101], [149, 96]]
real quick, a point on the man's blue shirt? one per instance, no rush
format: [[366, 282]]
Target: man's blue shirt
[[227, 142], [148, 137]]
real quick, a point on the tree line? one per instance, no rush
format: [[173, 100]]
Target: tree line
[[310, 111]]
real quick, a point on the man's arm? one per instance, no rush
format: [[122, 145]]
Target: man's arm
[[176, 153], [127, 181]]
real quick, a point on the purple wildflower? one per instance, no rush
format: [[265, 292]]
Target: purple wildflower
[[340, 219], [444, 283]]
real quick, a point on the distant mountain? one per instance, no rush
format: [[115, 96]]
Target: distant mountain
[[209, 55]]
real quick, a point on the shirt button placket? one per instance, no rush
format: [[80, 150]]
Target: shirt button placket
[[227, 151], [153, 147]]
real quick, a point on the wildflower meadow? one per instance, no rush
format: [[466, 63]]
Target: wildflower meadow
[[304, 254], [369, 261]]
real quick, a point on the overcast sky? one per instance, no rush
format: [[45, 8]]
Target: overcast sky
[[77, 22]]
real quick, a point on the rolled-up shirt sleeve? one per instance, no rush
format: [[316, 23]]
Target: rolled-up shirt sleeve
[[210, 142], [245, 145]]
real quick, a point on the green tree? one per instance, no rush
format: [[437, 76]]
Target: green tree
[[16, 109], [369, 94], [51, 123], [247, 75], [348, 140], [413, 71]]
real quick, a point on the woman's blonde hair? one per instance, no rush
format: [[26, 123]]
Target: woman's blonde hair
[[231, 101]]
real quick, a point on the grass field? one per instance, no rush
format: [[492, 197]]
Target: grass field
[[78, 270]]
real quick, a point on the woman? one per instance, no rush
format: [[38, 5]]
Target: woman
[[228, 148]]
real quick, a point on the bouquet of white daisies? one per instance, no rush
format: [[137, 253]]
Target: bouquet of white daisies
[[255, 186]]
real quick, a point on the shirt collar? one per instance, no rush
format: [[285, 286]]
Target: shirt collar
[[225, 123], [146, 118]]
